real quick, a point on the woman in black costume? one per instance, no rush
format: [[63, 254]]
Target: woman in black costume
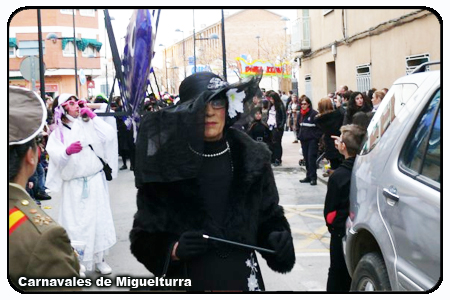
[[198, 176]]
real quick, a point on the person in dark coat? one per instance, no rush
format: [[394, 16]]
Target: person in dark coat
[[330, 121], [308, 134], [337, 203], [258, 129], [207, 179], [276, 121], [125, 138], [358, 102]]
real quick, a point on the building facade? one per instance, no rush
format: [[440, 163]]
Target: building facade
[[57, 27], [360, 48], [255, 34]]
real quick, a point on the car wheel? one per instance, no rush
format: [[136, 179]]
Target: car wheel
[[371, 274]]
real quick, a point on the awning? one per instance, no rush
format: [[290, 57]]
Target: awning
[[13, 42], [89, 42], [82, 43]]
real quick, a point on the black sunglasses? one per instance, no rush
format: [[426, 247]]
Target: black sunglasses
[[218, 103]]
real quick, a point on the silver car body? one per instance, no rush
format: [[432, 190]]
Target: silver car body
[[406, 231]]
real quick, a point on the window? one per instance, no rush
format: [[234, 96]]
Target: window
[[12, 51], [87, 12], [69, 50], [413, 61], [29, 48], [67, 11], [363, 81], [89, 52], [398, 95], [301, 36], [422, 151]]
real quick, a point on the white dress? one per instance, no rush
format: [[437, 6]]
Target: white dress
[[85, 210]]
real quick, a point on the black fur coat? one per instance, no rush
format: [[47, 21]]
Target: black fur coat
[[166, 210]]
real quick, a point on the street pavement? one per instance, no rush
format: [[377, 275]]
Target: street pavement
[[303, 205]]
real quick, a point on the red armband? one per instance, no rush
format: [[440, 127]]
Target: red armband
[[330, 217]]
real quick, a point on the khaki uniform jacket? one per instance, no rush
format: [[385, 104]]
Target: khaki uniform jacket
[[38, 247]]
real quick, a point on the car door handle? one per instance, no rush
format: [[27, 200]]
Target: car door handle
[[391, 194]]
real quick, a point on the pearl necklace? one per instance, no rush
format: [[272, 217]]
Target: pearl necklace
[[214, 154]]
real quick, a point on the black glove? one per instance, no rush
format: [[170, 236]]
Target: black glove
[[190, 245], [281, 242]]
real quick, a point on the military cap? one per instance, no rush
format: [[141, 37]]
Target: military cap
[[27, 115]]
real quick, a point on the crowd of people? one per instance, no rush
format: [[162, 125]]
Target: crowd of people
[[177, 199]]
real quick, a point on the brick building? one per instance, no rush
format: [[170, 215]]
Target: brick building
[[59, 57]]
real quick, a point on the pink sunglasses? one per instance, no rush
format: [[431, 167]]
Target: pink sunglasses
[[81, 103]]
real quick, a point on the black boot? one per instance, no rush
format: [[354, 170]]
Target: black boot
[[42, 196], [305, 180], [124, 167], [313, 182]]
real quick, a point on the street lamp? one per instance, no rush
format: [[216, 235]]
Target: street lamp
[[285, 41], [165, 65], [212, 36], [258, 37], [286, 19], [184, 55]]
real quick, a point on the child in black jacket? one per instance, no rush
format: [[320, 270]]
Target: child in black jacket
[[337, 205], [258, 129]]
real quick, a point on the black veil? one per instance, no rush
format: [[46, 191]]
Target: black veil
[[166, 137]]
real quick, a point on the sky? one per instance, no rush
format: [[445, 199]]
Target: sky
[[172, 19]]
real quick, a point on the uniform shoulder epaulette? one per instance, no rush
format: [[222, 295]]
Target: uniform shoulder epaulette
[[28, 210]]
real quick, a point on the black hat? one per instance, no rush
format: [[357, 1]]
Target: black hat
[[194, 85], [207, 85]]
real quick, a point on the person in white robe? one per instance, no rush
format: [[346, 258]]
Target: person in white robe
[[76, 170]]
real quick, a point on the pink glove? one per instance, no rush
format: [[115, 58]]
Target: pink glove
[[74, 148], [87, 111]]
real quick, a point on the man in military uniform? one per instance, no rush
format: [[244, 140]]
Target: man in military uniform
[[38, 246]]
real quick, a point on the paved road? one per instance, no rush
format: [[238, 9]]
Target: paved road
[[303, 206]]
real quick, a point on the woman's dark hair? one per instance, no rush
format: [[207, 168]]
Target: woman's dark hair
[[277, 100], [16, 155], [352, 108], [305, 98], [369, 93], [346, 95], [55, 104]]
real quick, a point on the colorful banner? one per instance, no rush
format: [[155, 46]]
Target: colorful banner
[[283, 69]]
